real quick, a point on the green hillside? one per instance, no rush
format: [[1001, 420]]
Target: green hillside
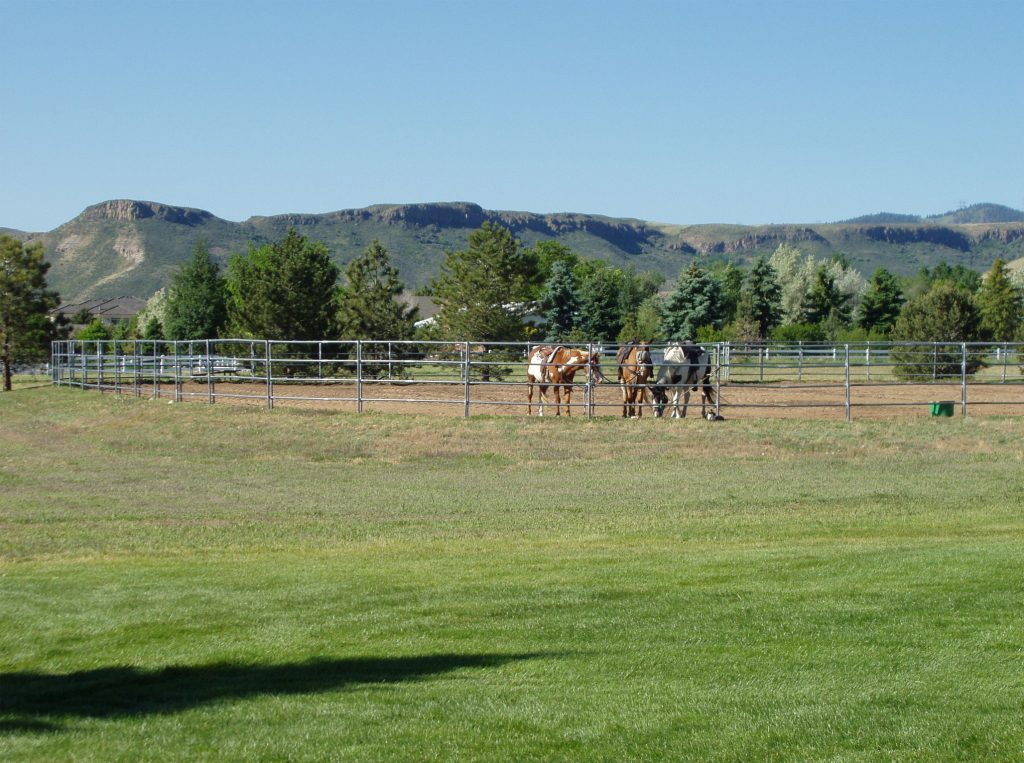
[[126, 247]]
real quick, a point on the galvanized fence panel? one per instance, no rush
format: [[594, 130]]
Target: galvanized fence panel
[[491, 377]]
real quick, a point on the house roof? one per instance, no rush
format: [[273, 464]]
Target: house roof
[[114, 308]]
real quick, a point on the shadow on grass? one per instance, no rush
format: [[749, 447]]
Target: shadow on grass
[[30, 701]]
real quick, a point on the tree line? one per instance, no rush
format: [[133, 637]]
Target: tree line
[[292, 290]]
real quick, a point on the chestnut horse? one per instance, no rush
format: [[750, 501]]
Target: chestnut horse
[[554, 366], [635, 368]]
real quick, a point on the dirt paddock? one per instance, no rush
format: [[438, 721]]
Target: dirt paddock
[[738, 401]]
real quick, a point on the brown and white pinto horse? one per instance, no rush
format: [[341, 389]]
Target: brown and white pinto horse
[[555, 366], [635, 369]]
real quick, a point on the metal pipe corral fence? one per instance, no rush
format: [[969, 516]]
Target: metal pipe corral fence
[[848, 379]]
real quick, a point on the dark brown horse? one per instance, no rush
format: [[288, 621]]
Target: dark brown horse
[[635, 369], [555, 366]]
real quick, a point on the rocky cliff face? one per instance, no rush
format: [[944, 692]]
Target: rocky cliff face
[[126, 209], [132, 247]]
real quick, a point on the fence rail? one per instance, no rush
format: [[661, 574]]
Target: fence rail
[[470, 376]]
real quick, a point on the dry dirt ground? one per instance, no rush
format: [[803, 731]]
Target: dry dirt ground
[[738, 401]]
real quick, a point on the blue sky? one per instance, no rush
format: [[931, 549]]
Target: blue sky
[[682, 112]]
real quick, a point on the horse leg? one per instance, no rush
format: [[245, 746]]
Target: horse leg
[[529, 398], [568, 399]]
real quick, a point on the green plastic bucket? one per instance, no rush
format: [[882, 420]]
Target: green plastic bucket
[[943, 408]]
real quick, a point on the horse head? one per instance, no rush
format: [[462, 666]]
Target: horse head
[[659, 396], [594, 362]]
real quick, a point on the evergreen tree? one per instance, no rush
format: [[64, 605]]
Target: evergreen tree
[[695, 302], [196, 306], [881, 303], [824, 302], [763, 302], [999, 303], [369, 304], [559, 302], [945, 314], [730, 278], [600, 303], [284, 290], [25, 328], [483, 290]]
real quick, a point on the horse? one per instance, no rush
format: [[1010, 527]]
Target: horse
[[555, 366], [635, 368], [686, 367]]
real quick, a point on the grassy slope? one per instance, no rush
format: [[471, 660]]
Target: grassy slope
[[193, 582]]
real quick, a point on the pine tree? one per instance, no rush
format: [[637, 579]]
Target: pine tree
[[825, 302], [1000, 304], [25, 328], [945, 314], [600, 303], [483, 290], [695, 302], [196, 300], [763, 302], [369, 304], [284, 290], [881, 303], [559, 303]]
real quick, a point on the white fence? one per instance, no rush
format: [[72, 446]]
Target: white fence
[[468, 376]]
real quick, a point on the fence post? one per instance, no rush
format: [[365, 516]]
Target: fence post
[[588, 393], [177, 374], [270, 374], [963, 378], [359, 376], [847, 383], [1004, 363], [760, 362], [718, 381], [867, 358], [935, 361], [209, 373], [466, 370], [800, 361], [135, 373]]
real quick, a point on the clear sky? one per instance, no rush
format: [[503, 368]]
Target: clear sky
[[682, 112]]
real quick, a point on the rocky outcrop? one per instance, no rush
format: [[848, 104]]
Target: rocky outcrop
[[126, 209], [762, 240], [924, 234], [1001, 235]]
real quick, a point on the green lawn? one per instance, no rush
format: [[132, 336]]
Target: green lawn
[[191, 582]]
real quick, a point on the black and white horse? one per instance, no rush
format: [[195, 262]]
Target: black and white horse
[[686, 367]]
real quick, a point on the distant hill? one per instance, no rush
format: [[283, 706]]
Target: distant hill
[[977, 213], [124, 247]]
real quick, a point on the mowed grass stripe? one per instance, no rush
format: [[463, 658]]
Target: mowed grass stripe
[[191, 582]]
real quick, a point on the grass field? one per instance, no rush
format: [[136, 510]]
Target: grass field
[[192, 582]]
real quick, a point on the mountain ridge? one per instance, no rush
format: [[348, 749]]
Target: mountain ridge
[[125, 246]]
